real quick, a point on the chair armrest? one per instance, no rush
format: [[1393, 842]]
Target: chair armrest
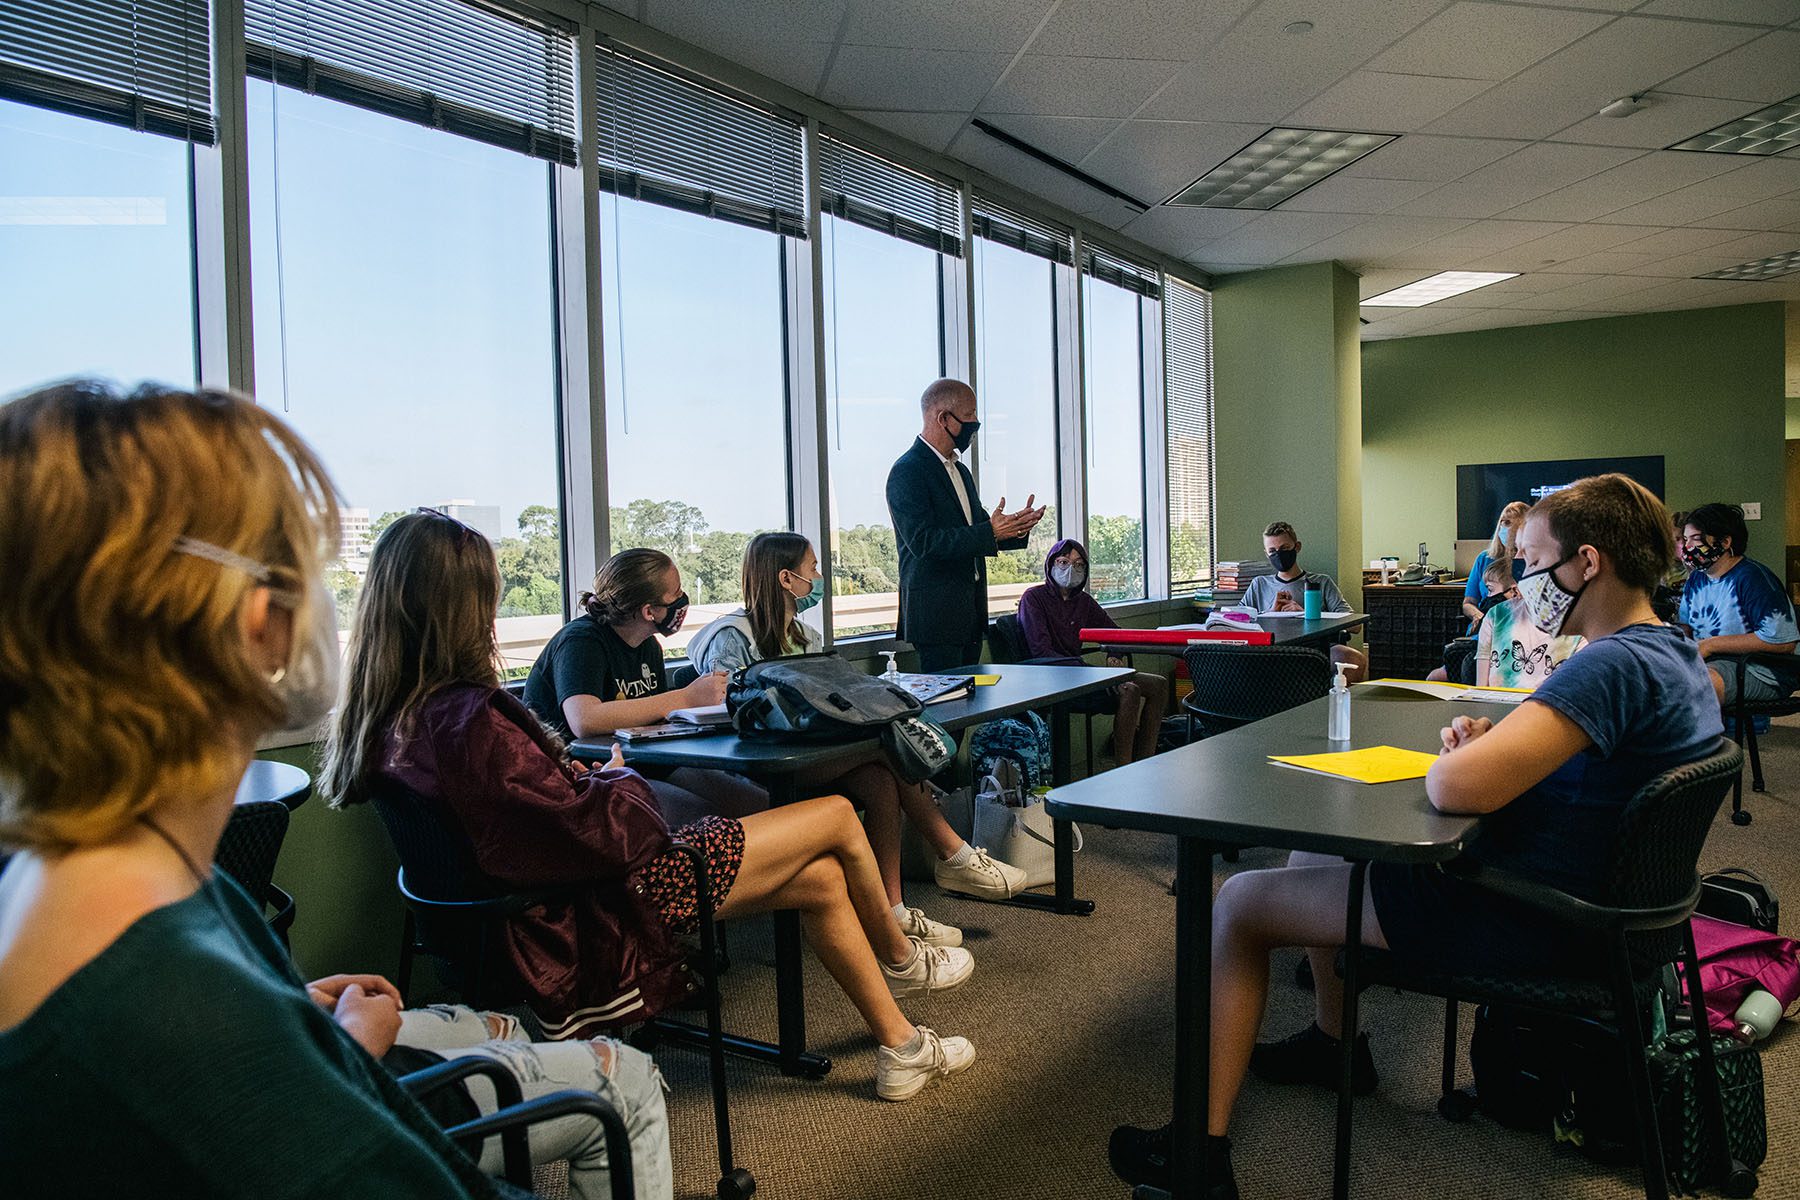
[[509, 905], [283, 904], [515, 1119], [1555, 902], [514, 1149]]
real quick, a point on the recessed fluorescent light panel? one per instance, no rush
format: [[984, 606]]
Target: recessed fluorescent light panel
[[1773, 130], [1277, 166], [1763, 268], [1441, 286]]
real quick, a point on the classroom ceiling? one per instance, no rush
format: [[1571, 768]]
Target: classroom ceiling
[[1503, 163]]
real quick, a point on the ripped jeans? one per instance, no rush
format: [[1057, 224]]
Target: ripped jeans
[[625, 1077]]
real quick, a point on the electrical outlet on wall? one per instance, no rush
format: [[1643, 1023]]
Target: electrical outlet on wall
[[1752, 512]]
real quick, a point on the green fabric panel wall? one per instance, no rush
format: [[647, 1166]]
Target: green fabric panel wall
[[1703, 388]]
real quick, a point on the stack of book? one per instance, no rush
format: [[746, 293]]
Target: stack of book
[[1235, 576]]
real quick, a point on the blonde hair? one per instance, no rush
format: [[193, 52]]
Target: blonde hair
[[425, 621], [123, 664], [1498, 550]]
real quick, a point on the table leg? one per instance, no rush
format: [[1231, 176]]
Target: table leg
[[1193, 1023], [1353, 915], [1064, 900], [790, 984]]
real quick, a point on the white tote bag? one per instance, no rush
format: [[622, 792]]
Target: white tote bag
[[1013, 826]]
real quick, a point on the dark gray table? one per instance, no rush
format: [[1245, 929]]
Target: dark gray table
[[1223, 792], [267, 780], [775, 765], [1287, 631]]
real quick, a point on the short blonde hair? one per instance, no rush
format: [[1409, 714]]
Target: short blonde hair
[[122, 662]]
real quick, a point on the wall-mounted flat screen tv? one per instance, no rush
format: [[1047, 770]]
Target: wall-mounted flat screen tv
[[1483, 490]]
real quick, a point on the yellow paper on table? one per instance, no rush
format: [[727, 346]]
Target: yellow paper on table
[[1375, 764], [986, 680]]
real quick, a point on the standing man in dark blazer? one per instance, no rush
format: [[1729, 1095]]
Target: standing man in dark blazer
[[944, 535]]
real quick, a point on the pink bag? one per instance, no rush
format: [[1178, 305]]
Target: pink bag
[[1736, 960]]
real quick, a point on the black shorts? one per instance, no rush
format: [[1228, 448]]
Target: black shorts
[[1440, 923]]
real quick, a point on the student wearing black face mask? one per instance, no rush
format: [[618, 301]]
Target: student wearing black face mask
[[943, 534], [1285, 591]]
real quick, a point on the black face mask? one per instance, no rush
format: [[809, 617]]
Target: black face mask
[[675, 613], [1283, 560], [965, 435]]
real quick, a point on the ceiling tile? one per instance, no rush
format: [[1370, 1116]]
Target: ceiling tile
[[1375, 238], [1377, 280], [1621, 186], [1495, 235], [932, 25], [1178, 231], [1762, 72], [934, 131], [1275, 235], [1384, 102], [1764, 214], [797, 64], [1668, 119], [1607, 262], [1579, 240], [1134, 28], [719, 27], [1347, 194], [1024, 172], [1759, 179], [1153, 160], [1751, 246], [1679, 241], [881, 77], [1068, 138], [1744, 12], [1630, 55], [1258, 73], [1533, 171], [1604, 290], [1485, 41], [1436, 159], [1073, 86]]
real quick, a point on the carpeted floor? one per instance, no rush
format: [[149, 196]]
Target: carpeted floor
[[1072, 1020]]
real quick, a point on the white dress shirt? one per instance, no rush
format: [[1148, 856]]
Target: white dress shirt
[[962, 495]]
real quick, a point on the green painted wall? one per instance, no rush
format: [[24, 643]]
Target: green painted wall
[[1793, 417], [1703, 388], [1288, 375]]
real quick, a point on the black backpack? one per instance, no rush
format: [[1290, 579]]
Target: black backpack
[[1740, 896], [822, 697]]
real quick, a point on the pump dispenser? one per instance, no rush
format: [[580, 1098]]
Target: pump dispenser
[[1337, 720], [892, 671]]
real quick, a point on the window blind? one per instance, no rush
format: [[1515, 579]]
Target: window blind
[[855, 185], [1110, 266], [1009, 227], [146, 64], [450, 64], [672, 141], [1188, 392]]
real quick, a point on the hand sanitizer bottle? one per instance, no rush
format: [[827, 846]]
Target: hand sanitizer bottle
[[892, 671], [1337, 719]]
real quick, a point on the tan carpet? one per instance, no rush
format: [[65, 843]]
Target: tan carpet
[[1072, 1019]]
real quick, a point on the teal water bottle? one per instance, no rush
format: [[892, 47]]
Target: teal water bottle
[[1314, 602]]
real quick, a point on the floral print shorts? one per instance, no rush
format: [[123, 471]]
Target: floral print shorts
[[668, 878]]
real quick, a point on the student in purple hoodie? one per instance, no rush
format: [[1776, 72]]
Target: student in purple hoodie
[[1053, 614]]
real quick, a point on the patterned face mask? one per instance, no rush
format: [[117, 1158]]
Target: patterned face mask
[[1548, 602], [1704, 555]]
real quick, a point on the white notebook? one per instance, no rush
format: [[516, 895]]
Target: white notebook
[[710, 714]]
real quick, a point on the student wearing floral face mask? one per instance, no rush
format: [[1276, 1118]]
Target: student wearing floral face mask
[[1735, 605]]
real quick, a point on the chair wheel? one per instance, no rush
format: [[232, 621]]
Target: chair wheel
[[1740, 1181], [1457, 1106], [738, 1185], [1740, 817]]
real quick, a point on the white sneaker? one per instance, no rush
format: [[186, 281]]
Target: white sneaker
[[983, 877], [900, 1077], [933, 969], [916, 924]]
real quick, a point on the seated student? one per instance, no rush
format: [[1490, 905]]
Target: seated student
[[1285, 591], [776, 565], [154, 1037], [1477, 596], [424, 710], [1552, 780], [1510, 650], [1735, 605], [603, 671], [1052, 615]]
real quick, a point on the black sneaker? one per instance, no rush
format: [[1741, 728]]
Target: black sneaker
[[1140, 1156], [1311, 1056]]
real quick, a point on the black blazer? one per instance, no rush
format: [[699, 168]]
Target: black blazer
[[943, 557]]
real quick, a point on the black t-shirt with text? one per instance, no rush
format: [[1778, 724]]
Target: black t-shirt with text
[[586, 658]]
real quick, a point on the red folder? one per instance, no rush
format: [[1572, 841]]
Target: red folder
[[1178, 637]]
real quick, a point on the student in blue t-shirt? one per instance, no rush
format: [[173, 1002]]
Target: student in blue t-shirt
[[1550, 781], [1735, 605]]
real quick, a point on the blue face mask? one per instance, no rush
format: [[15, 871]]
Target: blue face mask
[[1505, 536], [813, 596]]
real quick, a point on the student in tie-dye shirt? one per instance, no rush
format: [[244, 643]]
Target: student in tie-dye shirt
[[1736, 606]]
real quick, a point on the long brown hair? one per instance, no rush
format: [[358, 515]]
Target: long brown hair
[[425, 622], [773, 626], [625, 583]]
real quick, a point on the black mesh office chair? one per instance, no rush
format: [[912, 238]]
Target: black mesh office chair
[[247, 851], [456, 914], [1006, 644], [1639, 925], [1235, 685], [1740, 721]]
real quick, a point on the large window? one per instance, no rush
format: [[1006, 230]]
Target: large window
[[1016, 286], [96, 252], [1113, 362], [404, 324], [695, 393], [1187, 383]]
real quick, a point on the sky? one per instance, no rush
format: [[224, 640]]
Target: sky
[[404, 321]]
